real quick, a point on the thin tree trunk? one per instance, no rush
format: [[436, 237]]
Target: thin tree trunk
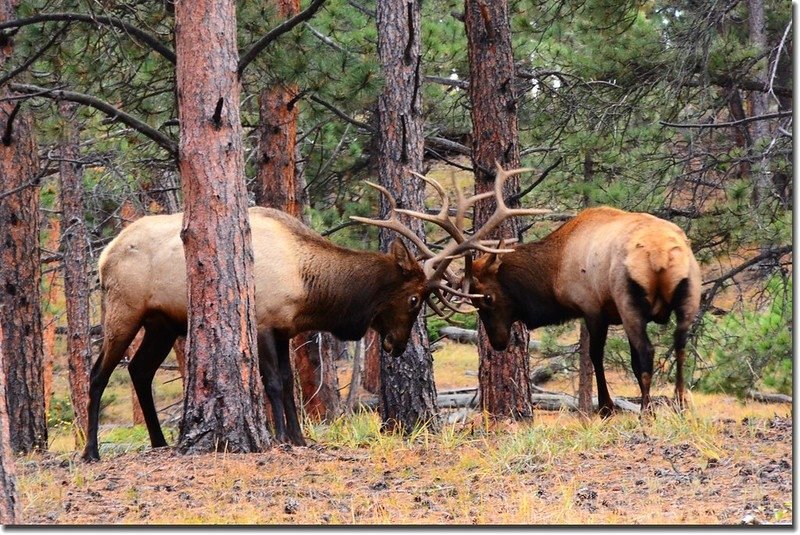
[[355, 381], [407, 390], [224, 397], [51, 285], [503, 376], [371, 380], [9, 504], [585, 367], [758, 100], [74, 245], [20, 272], [319, 384]]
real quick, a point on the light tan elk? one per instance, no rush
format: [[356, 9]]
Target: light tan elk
[[302, 282], [606, 266]]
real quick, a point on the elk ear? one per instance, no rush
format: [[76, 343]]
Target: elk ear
[[402, 255], [492, 263]]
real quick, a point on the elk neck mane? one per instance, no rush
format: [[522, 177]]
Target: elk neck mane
[[528, 275]]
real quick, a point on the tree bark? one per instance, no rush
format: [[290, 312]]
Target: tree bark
[[224, 397], [50, 285], [20, 272], [316, 368], [74, 247], [9, 504], [503, 376], [407, 390], [355, 381], [371, 380], [758, 100]]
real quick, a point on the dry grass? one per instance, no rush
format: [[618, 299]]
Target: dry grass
[[714, 464]]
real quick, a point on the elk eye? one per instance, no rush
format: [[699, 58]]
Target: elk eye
[[489, 300], [413, 301]]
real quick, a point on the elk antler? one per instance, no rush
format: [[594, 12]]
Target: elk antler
[[436, 265]]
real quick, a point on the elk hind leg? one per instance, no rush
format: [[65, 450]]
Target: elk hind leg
[[598, 331], [156, 345], [116, 339], [273, 386], [684, 313], [287, 378]]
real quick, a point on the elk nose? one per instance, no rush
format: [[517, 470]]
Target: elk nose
[[388, 343]]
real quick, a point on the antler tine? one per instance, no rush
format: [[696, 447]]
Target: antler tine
[[392, 223], [448, 304]]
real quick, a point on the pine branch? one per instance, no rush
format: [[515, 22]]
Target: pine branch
[[276, 32], [130, 29], [765, 117], [35, 56], [163, 141]]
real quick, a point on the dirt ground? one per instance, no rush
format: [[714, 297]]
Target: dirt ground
[[554, 471]]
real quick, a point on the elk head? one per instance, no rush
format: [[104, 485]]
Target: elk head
[[496, 308], [396, 315], [440, 283]]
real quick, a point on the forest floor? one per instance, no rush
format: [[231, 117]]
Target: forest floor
[[721, 462]]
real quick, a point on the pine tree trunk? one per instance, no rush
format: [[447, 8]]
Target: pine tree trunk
[[20, 271], [407, 391], [9, 504], [224, 397], [371, 380], [316, 370], [51, 286], [758, 102], [503, 376], [74, 245]]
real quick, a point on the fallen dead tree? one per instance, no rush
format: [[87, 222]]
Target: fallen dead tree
[[470, 336], [765, 397], [469, 398]]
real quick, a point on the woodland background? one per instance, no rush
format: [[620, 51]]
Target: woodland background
[[679, 109]]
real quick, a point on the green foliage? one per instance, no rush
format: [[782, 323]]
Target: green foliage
[[741, 349], [435, 324]]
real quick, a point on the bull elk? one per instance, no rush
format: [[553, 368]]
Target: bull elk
[[302, 282], [605, 265]]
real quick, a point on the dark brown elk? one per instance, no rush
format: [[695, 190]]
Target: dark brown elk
[[302, 282], [607, 266]]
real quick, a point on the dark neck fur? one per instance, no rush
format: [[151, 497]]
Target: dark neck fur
[[528, 276], [345, 297]]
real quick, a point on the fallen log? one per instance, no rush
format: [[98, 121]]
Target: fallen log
[[470, 336], [765, 397], [470, 399]]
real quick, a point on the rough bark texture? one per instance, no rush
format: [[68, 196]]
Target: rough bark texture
[[224, 397], [9, 504], [758, 100], [315, 363], [355, 380], [74, 245], [371, 380], [20, 273], [503, 376], [51, 286], [407, 390]]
